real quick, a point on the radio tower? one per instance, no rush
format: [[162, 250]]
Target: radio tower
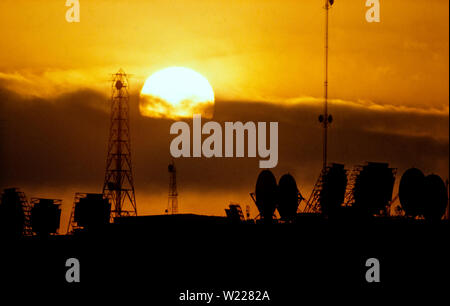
[[172, 206], [326, 119], [119, 186]]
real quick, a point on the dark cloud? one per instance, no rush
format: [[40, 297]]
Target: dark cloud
[[61, 143]]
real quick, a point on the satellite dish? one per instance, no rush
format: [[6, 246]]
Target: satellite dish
[[436, 197], [411, 192], [93, 210], [266, 194], [45, 216], [288, 197], [373, 188]]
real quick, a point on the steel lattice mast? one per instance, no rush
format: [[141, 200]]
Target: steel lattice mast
[[119, 186], [173, 194], [326, 119]]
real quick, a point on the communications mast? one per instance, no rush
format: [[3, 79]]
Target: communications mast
[[325, 118], [312, 205], [172, 205], [118, 185]]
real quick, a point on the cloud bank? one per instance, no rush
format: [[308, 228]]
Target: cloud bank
[[56, 146]]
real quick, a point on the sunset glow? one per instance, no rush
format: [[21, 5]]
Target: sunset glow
[[230, 61], [176, 92]]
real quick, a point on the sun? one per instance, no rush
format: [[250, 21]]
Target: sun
[[176, 92]]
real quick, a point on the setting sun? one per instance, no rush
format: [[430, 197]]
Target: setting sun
[[176, 92]]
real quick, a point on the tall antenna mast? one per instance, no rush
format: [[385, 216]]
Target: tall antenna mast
[[118, 185], [326, 119], [173, 194]]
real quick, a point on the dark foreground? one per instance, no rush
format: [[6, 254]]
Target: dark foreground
[[294, 263]]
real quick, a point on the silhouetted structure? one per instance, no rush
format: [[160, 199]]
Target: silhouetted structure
[[436, 198], [411, 192], [14, 214], [326, 119], [265, 195], [447, 211], [138, 224], [334, 185], [45, 216], [423, 196], [372, 189], [119, 185], [288, 197], [172, 205], [329, 191], [90, 211], [247, 212], [234, 213]]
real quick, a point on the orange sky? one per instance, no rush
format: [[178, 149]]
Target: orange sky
[[247, 49]]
